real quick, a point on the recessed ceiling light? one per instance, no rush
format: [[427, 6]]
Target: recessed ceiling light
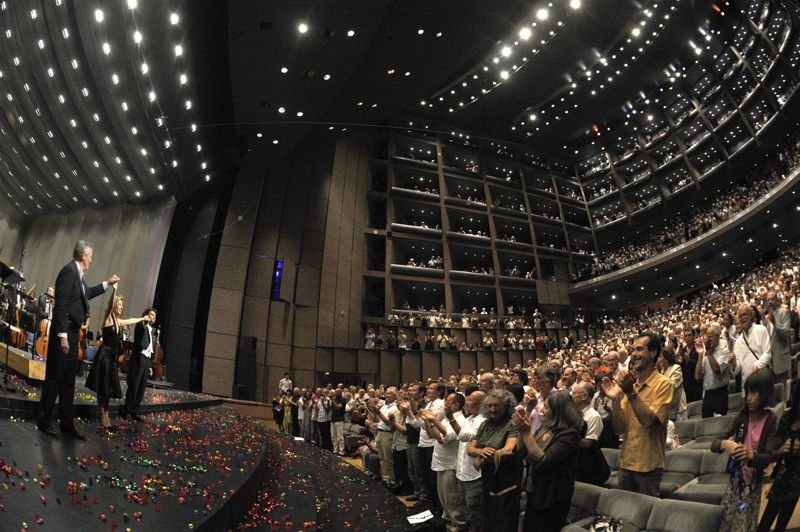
[[137, 37], [98, 15], [284, 70], [542, 14], [351, 33], [274, 141], [525, 34], [326, 77], [259, 135], [420, 31], [575, 4], [299, 113], [439, 34], [281, 110], [174, 18], [302, 27]]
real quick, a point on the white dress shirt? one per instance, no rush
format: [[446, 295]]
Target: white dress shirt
[[594, 423], [746, 361], [465, 471], [445, 454]]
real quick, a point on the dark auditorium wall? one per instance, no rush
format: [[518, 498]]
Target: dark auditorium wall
[[11, 226], [308, 211]]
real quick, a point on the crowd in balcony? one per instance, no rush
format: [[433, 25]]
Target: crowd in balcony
[[447, 442], [435, 261], [685, 227]]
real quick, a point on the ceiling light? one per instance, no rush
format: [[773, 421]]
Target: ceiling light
[[504, 74], [542, 14], [137, 37], [525, 34], [178, 50], [132, 4], [281, 110], [284, 70], [98, 15], [106, 48], [439, 34], [636, 31], [420, 31], [506, 51], [302, 27], [299, 113], [259, 135], [183, 79], [575, 4], [351, 33], [174, 18], [274, 141]]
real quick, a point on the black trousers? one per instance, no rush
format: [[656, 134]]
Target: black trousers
[[138, 368], [782, 510], [59, 381], [715, 402], [426, 457], [550, 519], [325, 435]]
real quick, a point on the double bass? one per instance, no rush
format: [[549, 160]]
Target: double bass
[[158, 357]]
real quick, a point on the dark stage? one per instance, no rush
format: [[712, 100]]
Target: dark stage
[[193, 464]]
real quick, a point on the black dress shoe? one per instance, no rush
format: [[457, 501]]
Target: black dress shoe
[[72, 432], [47, 429]]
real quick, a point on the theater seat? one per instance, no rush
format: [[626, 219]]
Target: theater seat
[[633, 509], [679, 516], [710, 486], [685, 430], [735, 402], [694, 409], [584, 501], [612, 459], [707, 430], [681, 467]]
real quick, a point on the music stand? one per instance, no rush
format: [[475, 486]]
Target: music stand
[[10, 276]]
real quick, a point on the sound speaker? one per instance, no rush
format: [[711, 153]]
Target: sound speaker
[[244, 384]]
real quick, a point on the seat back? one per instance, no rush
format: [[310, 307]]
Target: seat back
[[684, 461], [670, 515], [735, 402], [777, 394], [584, 501], [714, 463], [710, 428], [612, 457], [694, 409], [631, 508], [685, 429]]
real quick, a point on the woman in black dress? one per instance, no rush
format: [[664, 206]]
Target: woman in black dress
[[103, 378]]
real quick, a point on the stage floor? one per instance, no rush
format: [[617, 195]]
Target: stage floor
[[178, 470]]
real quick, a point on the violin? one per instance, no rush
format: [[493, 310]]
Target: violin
[[82, 342]]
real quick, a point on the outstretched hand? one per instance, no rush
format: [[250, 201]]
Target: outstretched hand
[[612, 389]]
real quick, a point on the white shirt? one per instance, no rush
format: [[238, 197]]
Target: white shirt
[[445, 454], [386, 411], [148, 351], [285, 385], [465, 471], [758, 340], [437, 407], [711, 380], [594, 423]]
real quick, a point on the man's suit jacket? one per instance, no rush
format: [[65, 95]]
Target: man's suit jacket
[[72, 303], [140, 338], [780, 339]]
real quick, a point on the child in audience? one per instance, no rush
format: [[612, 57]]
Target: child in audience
[[785, 488], [749, 441]]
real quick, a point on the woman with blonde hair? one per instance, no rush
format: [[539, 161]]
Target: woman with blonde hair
[[103, 378]]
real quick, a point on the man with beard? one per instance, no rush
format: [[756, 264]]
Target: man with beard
[[642, 399]]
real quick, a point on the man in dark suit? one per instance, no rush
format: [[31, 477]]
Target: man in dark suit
[[139, 365], [71, 308]]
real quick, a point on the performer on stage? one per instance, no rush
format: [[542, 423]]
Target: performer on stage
[[45, 305], [103, 378], [139, 365], [69, 313]]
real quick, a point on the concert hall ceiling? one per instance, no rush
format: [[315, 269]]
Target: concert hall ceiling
[[130, 100]]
